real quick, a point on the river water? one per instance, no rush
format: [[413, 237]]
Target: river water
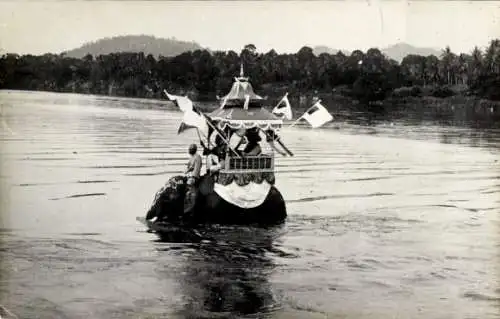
[[385, 221]]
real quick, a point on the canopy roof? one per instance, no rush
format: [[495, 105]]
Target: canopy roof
[[237, 118], [233, 113], [240, 89]]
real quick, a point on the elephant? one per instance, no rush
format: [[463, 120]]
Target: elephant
[[181, 204]]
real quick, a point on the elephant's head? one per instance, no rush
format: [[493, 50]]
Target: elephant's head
[[169, 199]]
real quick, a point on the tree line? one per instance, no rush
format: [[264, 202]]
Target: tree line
[[366, 76]]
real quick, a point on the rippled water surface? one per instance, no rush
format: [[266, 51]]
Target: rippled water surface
[[385, 221]]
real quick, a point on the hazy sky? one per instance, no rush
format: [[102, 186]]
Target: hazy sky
[[53, 26]]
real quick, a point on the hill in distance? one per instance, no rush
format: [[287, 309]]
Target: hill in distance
[[400, 50], [172, 47], [319, 49], [134, 43], [396, 51]]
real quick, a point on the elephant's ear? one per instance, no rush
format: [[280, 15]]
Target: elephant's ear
[[159, 192]]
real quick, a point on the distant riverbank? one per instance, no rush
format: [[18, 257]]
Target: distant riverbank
[[458, 109], [452, 105]]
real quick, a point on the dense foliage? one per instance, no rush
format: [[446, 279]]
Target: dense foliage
[[367, 77]]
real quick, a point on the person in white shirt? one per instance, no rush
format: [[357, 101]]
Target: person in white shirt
[[216, 156]]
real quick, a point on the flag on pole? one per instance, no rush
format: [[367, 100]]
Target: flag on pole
[[194, 119], [317, 115], [182, 102], [285, 109]]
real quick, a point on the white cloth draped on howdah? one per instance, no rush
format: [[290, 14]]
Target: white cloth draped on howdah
[[250, 195]]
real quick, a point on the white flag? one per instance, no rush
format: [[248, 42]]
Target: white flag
[[285, 109], [317, 115], [192, 119], [183, 102]]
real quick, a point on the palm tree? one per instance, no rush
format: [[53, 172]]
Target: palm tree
[[462, 67], [492, 57], [432, 69], [447, 65]]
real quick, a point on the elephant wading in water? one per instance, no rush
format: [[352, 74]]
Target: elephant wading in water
[[182, 204]]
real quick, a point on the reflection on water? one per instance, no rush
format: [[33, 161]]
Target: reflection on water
[[228, 273], [402, 219]]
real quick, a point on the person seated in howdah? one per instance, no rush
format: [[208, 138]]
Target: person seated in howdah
[[216, 156], [252, 148], [237, 139]]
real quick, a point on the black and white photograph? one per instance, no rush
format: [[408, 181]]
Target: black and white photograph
[[250, 159]]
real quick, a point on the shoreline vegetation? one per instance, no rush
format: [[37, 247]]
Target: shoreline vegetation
[[457, 88]]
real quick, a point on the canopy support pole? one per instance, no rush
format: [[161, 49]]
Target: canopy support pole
[[221, 134], [284, 147], [297, 120], [278, 139]]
